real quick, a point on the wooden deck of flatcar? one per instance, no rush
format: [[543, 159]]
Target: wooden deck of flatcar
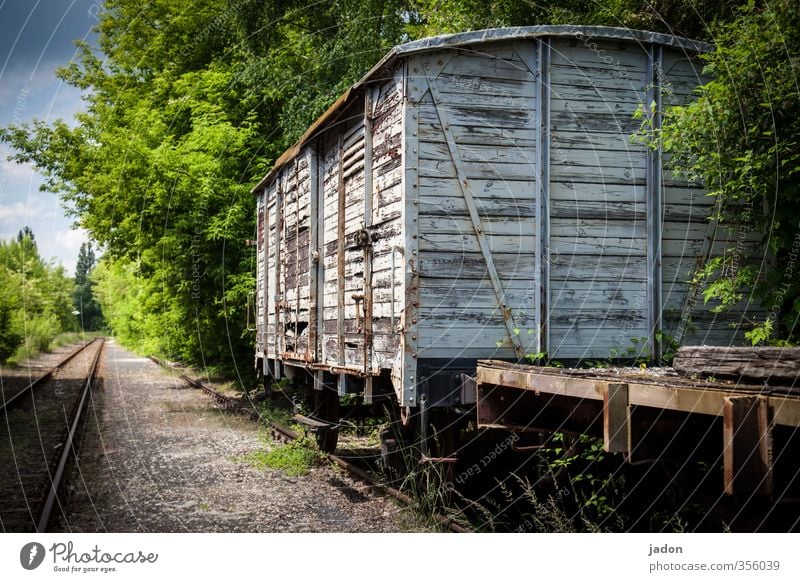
[[651, 414]]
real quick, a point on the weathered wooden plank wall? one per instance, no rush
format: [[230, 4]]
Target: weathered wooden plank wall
[[354, 216], [329, 149], [261, 273], [480, 116], [284, 247], [293, 282], [271, 241], [597, 199], [386, 221]]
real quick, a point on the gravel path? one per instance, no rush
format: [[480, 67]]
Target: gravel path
[[159, 457]]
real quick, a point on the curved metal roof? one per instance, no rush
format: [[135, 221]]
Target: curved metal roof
[[467, 39], [522, 32]]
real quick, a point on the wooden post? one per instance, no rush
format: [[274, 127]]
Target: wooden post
[[615, 418], [747, 446]]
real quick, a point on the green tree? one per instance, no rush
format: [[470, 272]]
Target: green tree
[[91, 316], [26, 233], [741, 138], [187, 111], [35, 298], [10, 336], [118, 290], [187, 106], [689, 19]]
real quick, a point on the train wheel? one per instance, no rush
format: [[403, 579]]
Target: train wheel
[[326, 408]]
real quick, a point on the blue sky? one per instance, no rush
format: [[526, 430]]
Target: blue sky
[[36, 37]]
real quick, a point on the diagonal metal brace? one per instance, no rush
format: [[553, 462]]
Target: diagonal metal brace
[[466, 191]]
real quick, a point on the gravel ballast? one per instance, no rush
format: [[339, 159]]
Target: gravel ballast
[[157, 456]]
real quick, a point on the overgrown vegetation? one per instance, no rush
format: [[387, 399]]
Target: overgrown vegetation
[[293, 459], [187, 106], [571, 485], [741, 139], [35, 299]]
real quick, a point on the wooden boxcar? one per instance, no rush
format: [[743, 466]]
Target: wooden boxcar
[[479, 195]]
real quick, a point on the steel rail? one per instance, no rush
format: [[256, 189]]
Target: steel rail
[[67, 449], [6, 404], [281, 432]]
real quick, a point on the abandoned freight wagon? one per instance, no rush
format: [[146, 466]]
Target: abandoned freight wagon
[[479, 195]]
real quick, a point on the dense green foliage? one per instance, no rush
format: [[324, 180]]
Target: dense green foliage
[[35, 299], [186, 113], [86, 304], [691, 19], [741, 138], [189, 104]]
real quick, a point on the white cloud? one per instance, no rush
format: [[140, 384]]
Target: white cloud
[[13, 170], [68, 243], [13, 212], [20, 211]]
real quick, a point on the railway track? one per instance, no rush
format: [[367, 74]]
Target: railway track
[[40, 427], [285, 434]]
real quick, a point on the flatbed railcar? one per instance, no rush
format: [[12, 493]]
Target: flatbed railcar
[[477, 196]]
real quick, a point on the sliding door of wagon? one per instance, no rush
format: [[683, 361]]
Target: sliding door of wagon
[[385, 174], [293, 309], [345, 244], [597, 200], [356, 245]]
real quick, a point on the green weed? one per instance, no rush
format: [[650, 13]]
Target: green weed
[[294, 459]]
